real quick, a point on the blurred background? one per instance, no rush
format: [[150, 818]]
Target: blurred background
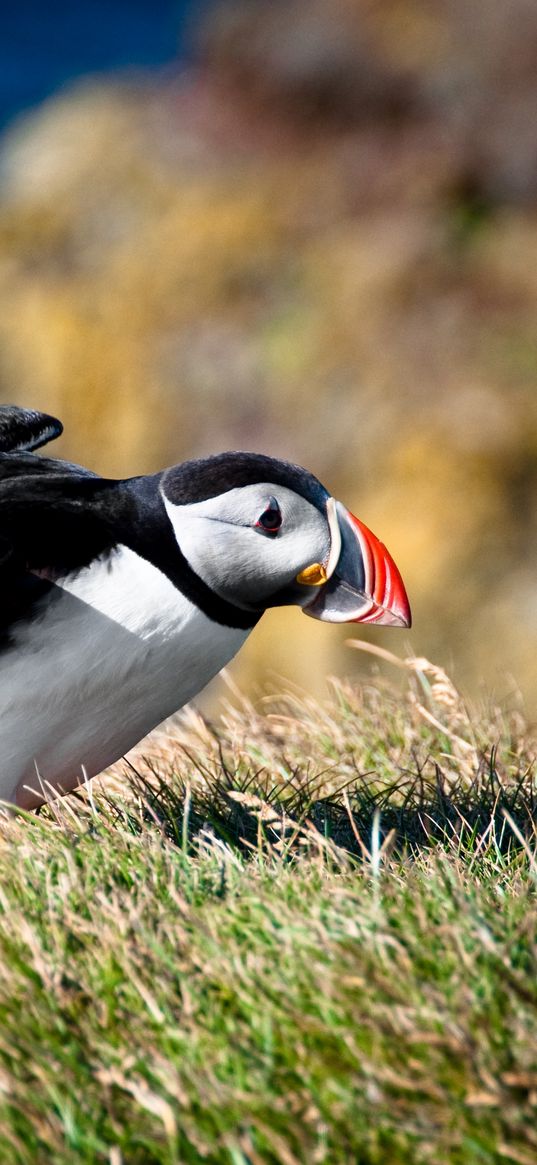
[[306, 227]]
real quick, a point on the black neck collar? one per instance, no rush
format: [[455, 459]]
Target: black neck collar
[[149, 532]]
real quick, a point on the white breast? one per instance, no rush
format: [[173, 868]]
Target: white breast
[[118, 652]]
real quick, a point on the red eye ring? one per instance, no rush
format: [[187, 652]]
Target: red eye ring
[[271, 519]]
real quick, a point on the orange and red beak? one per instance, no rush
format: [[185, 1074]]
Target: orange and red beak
[[364, 584]]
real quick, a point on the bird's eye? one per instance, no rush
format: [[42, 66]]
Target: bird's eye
[[271, 518]]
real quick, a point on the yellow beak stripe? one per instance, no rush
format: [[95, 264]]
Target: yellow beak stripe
[[312, 576]]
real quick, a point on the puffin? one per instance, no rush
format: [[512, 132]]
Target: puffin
[[121, 598]]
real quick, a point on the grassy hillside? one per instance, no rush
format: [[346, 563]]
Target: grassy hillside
[[307, 935]]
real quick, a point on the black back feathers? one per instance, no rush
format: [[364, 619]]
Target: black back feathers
[[53, 516]]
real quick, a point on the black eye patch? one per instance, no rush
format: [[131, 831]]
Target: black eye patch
[[271, 518]]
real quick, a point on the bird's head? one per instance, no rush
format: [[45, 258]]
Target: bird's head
[[264, 533]]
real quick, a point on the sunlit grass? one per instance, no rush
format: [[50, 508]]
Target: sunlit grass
[[308, 934]]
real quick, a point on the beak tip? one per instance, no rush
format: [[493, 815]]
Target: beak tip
[[401, 610], [394, 616]]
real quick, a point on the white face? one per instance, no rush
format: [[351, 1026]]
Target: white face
[[227, 546]]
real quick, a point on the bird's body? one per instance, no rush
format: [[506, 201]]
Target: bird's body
[[120, 600], [117, 651]]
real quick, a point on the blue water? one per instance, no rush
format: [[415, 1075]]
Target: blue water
[[45, 44]]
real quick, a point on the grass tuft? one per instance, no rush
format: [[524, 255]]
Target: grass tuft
[[305, 934]]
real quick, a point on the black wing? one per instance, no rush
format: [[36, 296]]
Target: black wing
[[55, 518], [25, 429]]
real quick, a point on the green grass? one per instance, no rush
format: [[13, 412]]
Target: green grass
[[309, 935]]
